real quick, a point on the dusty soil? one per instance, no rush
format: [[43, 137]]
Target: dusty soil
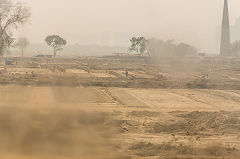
[[86, 108]]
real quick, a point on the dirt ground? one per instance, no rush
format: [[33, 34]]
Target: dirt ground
[[87, 108]]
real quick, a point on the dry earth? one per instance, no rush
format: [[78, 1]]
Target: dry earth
[[87, 109]]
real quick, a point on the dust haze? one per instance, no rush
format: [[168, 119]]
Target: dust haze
[[119, 79], [110, 22]]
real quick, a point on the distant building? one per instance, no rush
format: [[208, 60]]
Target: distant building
[[235, 30]]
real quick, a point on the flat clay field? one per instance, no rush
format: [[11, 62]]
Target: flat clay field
[[87, 108]]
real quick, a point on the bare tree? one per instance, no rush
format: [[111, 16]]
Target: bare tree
[[22, 44], [11, 16]]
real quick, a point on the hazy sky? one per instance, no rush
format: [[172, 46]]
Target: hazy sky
[[109, 22]]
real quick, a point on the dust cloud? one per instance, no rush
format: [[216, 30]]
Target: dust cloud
[[118, 79], [55, 133]]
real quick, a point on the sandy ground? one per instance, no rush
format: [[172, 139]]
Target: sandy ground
[[95, 122], [54, 122], [86, 108]]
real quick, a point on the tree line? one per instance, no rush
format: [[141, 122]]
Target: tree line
[[169, 48], [160, 48]]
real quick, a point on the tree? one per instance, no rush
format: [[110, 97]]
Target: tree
[[169, 48], [22, 44], [139, 44], [184, 49], [161, 48], [11, 16], [56, 42]]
